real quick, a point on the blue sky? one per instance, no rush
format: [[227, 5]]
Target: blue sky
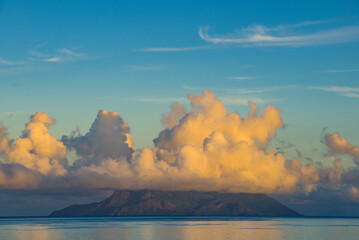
[[71, 59]]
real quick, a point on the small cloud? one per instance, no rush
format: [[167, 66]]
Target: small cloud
[[259, 90], [66, 51], [302, 24], [69, 52], [149, 67], [54, 59], [7, 62], [234, 100], [351, 92], [198, 88], [340, 71], [37, 54], [241, 78], [61, 55], [351, 95], [172, 49], [19, 112], [12, 69], [162, 100]]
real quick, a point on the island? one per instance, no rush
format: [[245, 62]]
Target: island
[[179, 203]]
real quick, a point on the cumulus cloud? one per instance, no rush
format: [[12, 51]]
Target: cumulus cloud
[[108, 137], [36, 149], [340, 145], [205, 148], [209, 149], [177, 113]]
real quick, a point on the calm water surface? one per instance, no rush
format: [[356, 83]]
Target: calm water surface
[[159, 228]]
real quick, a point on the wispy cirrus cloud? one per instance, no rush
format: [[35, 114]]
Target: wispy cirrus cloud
[[260, 90], [228, 95], [285, 35], [60, 55], [150, 67], [350, 95], [258, 35], [173, 49], [235, 100], [161, 100], [7, 62], [19, 112], [240, 78], [54, 59], [303, 24], [12, 69], [340, 70], [227, 100], [351, 92]]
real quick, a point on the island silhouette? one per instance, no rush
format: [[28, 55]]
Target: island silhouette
[[179, 203]]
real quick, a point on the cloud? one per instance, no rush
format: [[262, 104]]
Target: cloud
[[108, 137], [340, 145], [161, 100], [7, 62], [351, 92], [258, 35], [285, 35], [7, 66], [241, 78], [36, 149], [69, 52], [203, 148], [233, 100], [351, 95], [302, 24], [172, 119], [260, 90], [173, 49], [61, 55], [153, 67], [54, 59], [340, 71], [19, 112]]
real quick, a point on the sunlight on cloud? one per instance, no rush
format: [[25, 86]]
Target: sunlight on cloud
[[205, 148]]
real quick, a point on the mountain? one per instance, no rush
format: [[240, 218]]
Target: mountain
[[181, 203]]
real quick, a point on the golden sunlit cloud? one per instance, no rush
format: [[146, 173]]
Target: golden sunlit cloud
[[204, 149]]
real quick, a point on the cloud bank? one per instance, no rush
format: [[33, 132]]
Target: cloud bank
[[205, 148]]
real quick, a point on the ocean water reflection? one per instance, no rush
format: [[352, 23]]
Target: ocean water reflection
[[158, 228]]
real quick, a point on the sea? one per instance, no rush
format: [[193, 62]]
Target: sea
[[158, 228]]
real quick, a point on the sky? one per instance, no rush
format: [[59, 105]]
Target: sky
[[108, 72]]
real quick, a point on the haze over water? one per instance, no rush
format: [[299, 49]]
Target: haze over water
[[178, 228]]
